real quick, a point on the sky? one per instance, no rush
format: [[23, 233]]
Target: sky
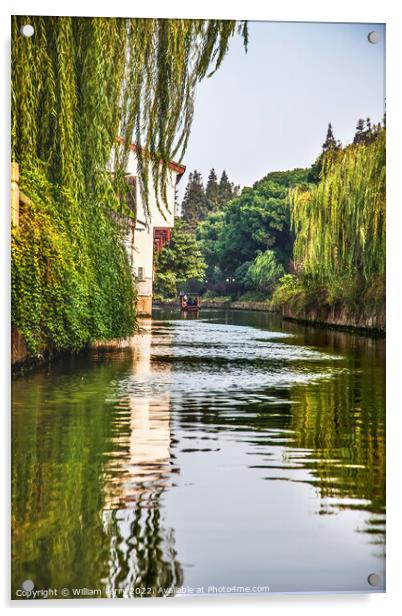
[[268, 109]]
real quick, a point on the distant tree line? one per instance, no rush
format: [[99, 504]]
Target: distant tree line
[[180, 265], [248, 243], [304, 233], [366, 132], [198, 201]]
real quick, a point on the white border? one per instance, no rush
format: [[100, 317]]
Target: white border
[[388, 11]]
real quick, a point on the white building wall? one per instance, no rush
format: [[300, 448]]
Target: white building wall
[[140, 243]]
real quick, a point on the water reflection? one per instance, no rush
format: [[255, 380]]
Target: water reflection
[[89, 471], [137, 471], [140, 458], [225, 447]]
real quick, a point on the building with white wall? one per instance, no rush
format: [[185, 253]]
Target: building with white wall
[[149, 233]]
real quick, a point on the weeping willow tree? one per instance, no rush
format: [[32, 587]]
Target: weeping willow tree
[[339, 223], [77, 83]]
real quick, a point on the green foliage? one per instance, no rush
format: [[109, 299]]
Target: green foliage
[[178, 262], [314, 173], [199, 202], [212, 191], [226, 190], [366, 132], [208, 234], [68, 286], [333, 213], [75, 84], [265, 271], [340, 223], [254, 222], [241, 275], [195, 203], [288, 287], [330, 142], [79, 80]]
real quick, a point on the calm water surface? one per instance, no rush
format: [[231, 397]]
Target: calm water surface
[[229, 450]]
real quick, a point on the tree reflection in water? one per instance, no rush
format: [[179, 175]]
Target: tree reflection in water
[[89, 471], [93, 465]]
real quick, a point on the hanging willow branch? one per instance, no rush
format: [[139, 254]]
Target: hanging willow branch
[[78, 82], [340, 223]]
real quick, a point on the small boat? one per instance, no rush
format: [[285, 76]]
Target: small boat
[[190, 302]]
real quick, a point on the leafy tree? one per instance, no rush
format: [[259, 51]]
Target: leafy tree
[[198, 202], [340, 222], [74, 84], [365, 131], [360, 134], [330, 145], [330, 142], [212, 191], [253, 222], [314, 173], [225, 189], [209, 234], [195, 204], [241, 275], [178, 262], [265, 271]]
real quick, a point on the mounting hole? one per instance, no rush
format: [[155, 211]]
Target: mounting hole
[[28, 585], [373, 37], [27, 30], [373, 579]]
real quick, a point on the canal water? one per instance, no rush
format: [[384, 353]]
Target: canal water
[[224, 452]]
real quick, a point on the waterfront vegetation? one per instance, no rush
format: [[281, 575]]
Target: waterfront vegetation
[[178, 263], [71, 280], [75, 84], [339, 226], [307, 237]]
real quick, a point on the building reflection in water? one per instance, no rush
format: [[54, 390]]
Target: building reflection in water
[[142, 554]]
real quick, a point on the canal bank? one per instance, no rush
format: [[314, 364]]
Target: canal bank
[[332, 317], [328, 318], [338, 318]]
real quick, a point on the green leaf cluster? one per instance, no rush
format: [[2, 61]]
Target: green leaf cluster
[[80, 81], [256, 221], [265, 271], [71, 280], [198, 202], [339, 226], [77, 83], [339, 223], [179, 262]]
